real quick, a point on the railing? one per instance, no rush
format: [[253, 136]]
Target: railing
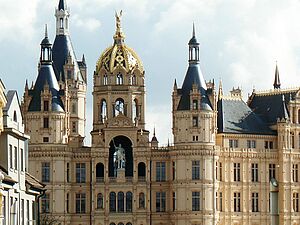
[[100, 179], [142, 179]]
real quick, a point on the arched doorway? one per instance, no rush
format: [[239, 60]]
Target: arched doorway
[[126, 144]]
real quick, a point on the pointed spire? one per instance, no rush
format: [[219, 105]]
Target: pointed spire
[[119, 35], [285, 110], [26, 85], [83, 59], [194, 33], [276, 80], [220, 93], [46, 31], [62, 5], [175, 84]]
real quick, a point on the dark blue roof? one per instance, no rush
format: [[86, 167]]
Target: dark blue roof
[[62, 5], [62, 47], [272, 106], [234, 116], [46, 76], [193, 76]]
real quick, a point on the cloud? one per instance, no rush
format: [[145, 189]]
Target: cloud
[[17, 21], [89, 24]]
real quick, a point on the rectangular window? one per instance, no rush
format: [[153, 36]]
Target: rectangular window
[[296, 202], [16, 158], [22, 212], [251, 144], [68, 172], [4, 210], [46, 106], [174, 201], [45, 139], [272, 171], [220, 201], [173, 170], [74, 127], [11, 156], [69, 74], [254, 172], [160, 201], [160, 171], [80, 203], [196, 170], [295, 173], [67, 203], [80, 172], [45, 207], [45, 172], [46, 122], [236, 172], [233, 143], [195, 121], [255, 202], [237, 201], [22, 159], [28, 212], [196, 201]]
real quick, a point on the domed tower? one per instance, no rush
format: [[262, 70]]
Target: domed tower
[[119, 139], [43, 108], [70, 73]]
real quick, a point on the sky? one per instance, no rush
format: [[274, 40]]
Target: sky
[[240, 42]]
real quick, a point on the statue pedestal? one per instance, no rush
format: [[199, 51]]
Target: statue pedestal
[[121, 175]]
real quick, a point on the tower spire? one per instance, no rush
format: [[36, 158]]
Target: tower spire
[[220, 93], [194, 51], [277, 79], [194, 33], [119, 35], [62, 5], [46, 31]]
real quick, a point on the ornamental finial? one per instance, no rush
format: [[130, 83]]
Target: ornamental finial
[[119, 36]]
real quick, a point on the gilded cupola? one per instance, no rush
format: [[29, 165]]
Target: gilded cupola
[[119, 55]]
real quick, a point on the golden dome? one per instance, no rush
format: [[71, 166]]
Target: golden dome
[[119, 55]]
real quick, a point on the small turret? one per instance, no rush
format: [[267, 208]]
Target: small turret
[[154, 141]]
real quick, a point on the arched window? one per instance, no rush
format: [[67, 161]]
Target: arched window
[[103, 110], [61, 23], [100, 201], [292, 140], [119, 107], [128, 223], [141, 170], [15, 116], [134, 109], [112, 202], [112, 224], [119, 79], [99, 172], [141, 200], [120, 223], [133, 80], [120, 201], [105, 79], [128, 201], [195, 104]]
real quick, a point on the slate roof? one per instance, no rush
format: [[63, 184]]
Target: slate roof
[[272, 106], [193, 76], [46, 76], [33, 182], [9, 96], [234, 116], [62, 5], [62, 47]]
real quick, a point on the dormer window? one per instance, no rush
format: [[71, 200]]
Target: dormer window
[[15, 116], [46, 106], [105, 79], [133, 80]]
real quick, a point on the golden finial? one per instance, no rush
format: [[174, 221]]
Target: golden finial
[[119, 36]]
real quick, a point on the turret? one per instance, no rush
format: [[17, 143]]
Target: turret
[[277, 79]]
